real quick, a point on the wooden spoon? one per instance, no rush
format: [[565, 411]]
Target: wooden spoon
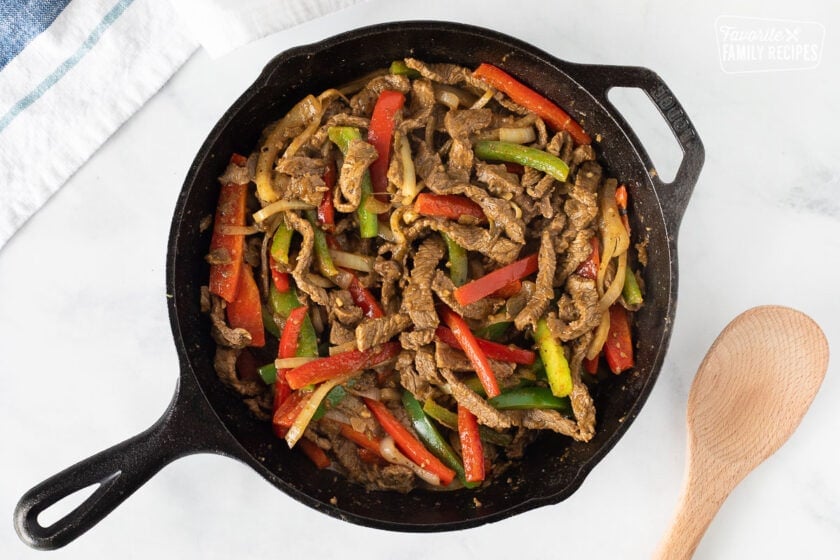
[[751, 391]]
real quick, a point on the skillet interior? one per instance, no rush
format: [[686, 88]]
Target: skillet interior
[[554, 466]]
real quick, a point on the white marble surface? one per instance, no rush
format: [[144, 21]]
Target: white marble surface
[[87, 358]]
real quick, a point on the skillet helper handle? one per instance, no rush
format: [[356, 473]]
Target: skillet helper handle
[[673, 196], [118, 472]]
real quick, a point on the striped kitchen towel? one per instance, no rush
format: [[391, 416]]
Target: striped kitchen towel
[[72, 71]]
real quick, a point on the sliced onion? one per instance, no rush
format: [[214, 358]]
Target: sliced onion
[[376, 206], [372, 393], [447, 98], [281, 206], [341, 348], [291, 363], [600, 337], [524, 135], [319, 281], [409, 179], [392, 455], [385, 232], [389, 394], [342, 279], [612, 293], [484, 99], [299, 115], [352, 261], [465, 98], [308, 411]]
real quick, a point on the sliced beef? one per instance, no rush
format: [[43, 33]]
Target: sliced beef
[[225, 364], [444, 73], [221, 332], [498, 179], [577, 251], [471, 238], [416, 339], [417, 299], [421, 107], [358, 158], [362, 103], [305, 178], [537, 305], [501, 212], [389, 272], [429, 167], [459, 125], [339, 334], [419, 381], [485, 413], [577, 309], [443, 287], [540, 419], [304, 259], [582, 404], [372, 332], [321, 136], [455, 360], [343, 309]]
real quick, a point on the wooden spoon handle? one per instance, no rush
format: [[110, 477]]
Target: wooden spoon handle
[[700, 501]]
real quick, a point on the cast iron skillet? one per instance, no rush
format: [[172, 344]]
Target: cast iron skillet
[[205, 417]]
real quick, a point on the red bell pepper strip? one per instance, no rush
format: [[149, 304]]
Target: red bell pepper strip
[[286, 412], [279, 279], [451, 206], [363, 298], [508, 290], [489, 283], [589, 267], [381, 136], [370, 457], [362, 440], [246, 310], [323, 369], [493, 350], [468, 343], [291, 332], [407, 443], [621, 202], [315, 453], [238, 159], [224, 278], [514, 168], [591, 366], [556, 117], [326, 210], [618, 348], [471, 449]]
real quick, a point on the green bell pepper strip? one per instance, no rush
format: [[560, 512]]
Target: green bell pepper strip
[[495, 331], [280, 244], [526, 398], [556, 366], [631, 292], [322, 251], [523, 155], [449, 419], [342, 136], [458, 270], [268, 373], [399, 68], [431, 438], [268, 322]]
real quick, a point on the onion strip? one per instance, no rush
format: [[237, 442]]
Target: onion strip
[[308, 411], [238, 230], [484, 99], [352, 261], [523, 135], [409, 179], [280, 206], [291, 363], [392, 455]]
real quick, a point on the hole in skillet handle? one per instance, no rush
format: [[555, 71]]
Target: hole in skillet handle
[[673, 195]]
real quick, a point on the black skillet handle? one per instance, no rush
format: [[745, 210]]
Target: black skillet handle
[[673, 196], [120, 470]]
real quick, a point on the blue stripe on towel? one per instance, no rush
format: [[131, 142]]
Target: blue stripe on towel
[[67, 65], [22, 21]]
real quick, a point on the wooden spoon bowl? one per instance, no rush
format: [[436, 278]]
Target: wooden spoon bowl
[[750, 393]]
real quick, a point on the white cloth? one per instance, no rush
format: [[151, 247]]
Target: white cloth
[[72, 71], [223, 25]]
